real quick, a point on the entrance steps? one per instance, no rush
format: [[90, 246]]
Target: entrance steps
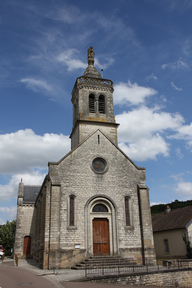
[[108, 261]]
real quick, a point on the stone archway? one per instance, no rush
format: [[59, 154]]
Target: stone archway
[[101, 227]]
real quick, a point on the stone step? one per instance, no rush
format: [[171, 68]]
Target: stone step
[[109, 262]]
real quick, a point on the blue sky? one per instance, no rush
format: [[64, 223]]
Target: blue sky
[[144, 47]]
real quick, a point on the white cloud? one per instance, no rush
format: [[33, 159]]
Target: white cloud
[[145, 148], [10, 212], [35, 85], [163, 98], [184, 189], [142, 122], [175, 65], [10, 190], [131, 94], [104, 66], [23, 150], [141, 132], [152, 76], [175, 87], [184, 133], [72, 63], [156, 203], [178, 153]]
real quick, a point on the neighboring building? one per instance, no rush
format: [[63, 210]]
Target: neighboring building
[[94, 201], [169, 230]]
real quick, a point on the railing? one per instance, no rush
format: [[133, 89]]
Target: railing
[[128, 265]]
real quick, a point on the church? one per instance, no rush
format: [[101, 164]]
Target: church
[[94, 201]]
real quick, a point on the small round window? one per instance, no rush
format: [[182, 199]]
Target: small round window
[[99, 165]]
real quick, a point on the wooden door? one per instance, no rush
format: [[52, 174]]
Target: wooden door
[[27, 245], [101, 236]]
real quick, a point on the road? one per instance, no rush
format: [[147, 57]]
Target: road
[[14, 277], [100, 285]]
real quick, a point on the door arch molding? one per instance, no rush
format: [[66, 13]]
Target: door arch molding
[[110, 215]]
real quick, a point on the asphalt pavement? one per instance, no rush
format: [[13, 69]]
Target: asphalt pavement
[[29, 274], [14, 277]]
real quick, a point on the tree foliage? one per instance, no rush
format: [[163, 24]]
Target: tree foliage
[[174, 205], [7, 234]]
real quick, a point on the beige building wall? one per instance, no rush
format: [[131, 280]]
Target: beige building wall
[[189, 231], [175, 241]]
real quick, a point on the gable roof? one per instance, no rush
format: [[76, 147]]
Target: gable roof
[[175, 219], [70, 152], [30, 193]]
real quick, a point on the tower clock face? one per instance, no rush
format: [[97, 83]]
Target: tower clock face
[[99, 165]]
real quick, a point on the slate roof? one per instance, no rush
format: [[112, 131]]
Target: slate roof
[[175, 219], [30, 193]]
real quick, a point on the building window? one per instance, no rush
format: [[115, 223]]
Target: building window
[[166, 245], [91, 103], [102, 104], [72, 211], [127, 212], [100, 208]]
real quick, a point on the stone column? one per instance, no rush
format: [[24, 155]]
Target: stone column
[[147, 242]]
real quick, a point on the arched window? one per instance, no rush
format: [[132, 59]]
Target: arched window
[[100, 208], [72, 211], [102, 104], [91, 103], [127, 212]]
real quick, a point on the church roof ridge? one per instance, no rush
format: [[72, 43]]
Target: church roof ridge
[[70, 152]]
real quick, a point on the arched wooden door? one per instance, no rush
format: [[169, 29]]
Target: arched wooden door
[[27, 245], [101, 237]]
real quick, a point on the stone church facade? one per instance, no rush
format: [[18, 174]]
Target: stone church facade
[[94, 201]]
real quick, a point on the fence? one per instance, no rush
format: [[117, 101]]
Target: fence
[[128, 265]]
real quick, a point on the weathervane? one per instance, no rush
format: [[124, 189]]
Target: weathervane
[[91, 55]]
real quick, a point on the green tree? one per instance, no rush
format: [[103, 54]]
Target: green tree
[[7, 234]]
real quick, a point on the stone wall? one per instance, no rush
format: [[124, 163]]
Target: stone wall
[[75, 175], [176, 278], [25, 227]]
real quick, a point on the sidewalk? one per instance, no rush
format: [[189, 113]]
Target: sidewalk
[[63, 274]]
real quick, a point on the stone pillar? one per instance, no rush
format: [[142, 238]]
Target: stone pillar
[[20, 193], [147, 242], [18, 245], [47, 227], [54, 251]]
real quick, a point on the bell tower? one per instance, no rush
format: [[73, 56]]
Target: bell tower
[[92, 99]]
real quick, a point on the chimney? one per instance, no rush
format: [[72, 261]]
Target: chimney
[[168, 209]]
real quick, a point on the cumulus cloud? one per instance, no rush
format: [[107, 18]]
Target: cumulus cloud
[[142, 130], [175, 87], [35, 85], [68, 59], [9, 212], [184, 189], [145, 148], [10, 190], [184, 133], [131, 94], [23, 150], [175, 65]]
